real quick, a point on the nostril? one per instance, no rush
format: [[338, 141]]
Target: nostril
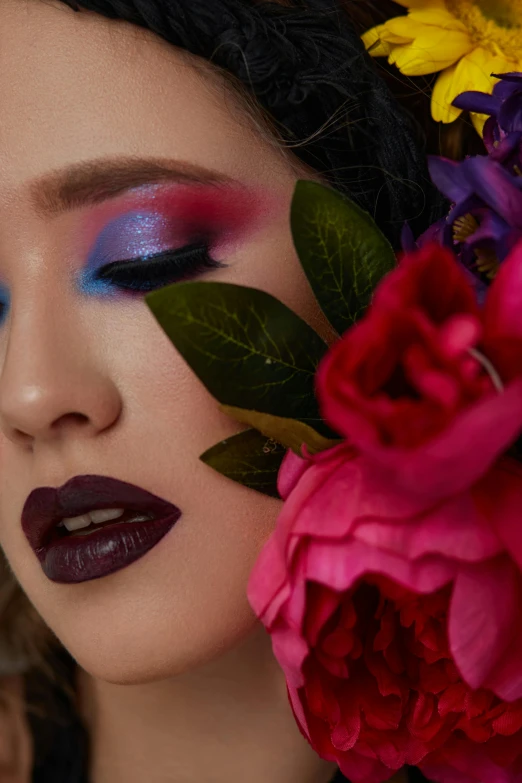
[[73, 418]]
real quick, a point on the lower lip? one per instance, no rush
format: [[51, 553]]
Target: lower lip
[[80, 558]]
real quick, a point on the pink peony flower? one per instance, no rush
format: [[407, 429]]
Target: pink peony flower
[[391, 585]]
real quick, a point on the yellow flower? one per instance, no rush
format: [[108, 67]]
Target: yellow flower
[[466, 40]]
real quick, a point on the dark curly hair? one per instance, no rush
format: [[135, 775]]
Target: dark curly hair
[[306, 68], [301, 71]]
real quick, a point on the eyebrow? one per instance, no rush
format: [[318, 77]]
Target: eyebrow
[[91, 182]]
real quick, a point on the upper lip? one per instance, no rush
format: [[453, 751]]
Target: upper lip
[[46, 506]]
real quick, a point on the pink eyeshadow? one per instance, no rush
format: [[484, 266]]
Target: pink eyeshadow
[[224, 214]]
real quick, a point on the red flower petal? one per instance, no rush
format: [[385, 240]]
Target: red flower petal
[[484, 602]]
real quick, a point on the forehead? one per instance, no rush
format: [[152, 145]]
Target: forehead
[[77, 86]]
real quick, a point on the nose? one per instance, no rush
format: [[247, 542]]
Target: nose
[[53, 381]]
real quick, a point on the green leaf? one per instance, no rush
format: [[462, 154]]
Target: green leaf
[[248, 458], [341, 249], [288, 432], [247, 347]]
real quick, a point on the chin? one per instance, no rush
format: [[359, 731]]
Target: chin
[[139, 656]]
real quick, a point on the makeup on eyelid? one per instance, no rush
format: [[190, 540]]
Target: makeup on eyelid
[[156, 218]]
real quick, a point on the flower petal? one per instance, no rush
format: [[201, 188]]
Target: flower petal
[[510, 84], [501, 496], [449, 177], [374, 43], [395, 31], [422, 3], [436, 17], [506, 679], [408, 243], [290, 649], [505, 148], [447, 465], [414, 25], [291, 470], [330, 502], [473, 72], [481, 64], [398, 31], [340, 566], [268, 586], [482, 617], [473, 100], [510, 114], [496, 187], [461, 761], [359, 768], [478, 121], [503, 317], [431, 51], [457, 529], [446, 88], [492, 227], [298, 711]]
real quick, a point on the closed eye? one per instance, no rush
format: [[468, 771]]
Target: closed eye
[[161, 269]]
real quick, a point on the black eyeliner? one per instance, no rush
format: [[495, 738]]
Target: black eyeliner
[[149, 272]]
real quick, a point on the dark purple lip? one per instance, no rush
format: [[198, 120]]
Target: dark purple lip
[[74, 559], [45, 506]]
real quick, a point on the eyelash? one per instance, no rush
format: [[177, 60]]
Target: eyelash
[[144, 274]]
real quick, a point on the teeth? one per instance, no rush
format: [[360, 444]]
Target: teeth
[[96, 517]]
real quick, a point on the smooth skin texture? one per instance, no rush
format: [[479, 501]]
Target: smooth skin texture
[[177, 680]]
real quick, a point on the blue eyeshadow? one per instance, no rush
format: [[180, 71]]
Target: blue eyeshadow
[[135, 234]]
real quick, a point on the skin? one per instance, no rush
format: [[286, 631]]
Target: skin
[[176, 678]]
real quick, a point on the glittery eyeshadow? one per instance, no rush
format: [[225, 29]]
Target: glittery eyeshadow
[[154, 219]]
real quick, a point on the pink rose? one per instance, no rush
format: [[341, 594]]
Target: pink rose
[[391, 585]]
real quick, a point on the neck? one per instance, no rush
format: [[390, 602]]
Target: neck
[[229, 720]]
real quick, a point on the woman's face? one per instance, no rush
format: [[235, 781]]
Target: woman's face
[[89, 382]]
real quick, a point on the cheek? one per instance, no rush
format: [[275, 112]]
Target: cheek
[[180, 420], [175, 418], [186, 601], [224, 523]]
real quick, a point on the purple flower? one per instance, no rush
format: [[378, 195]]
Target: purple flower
[[504, 108], [485, 220]]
